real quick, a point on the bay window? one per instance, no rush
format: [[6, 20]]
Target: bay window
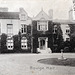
[[9, 38], [23, 43]]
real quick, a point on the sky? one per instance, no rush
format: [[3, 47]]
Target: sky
[[33, 7]]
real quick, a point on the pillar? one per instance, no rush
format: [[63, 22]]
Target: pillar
[[46, 43]]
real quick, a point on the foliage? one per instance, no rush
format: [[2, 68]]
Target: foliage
[[17, 43], [58, 38], [3, 42]]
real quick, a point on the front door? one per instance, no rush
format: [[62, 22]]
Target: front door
[[42, 44]]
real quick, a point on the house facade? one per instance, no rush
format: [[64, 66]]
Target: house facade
[[13, 23], [40, 34], [45, 33]]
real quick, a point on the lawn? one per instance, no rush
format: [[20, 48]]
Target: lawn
[[56, 61]]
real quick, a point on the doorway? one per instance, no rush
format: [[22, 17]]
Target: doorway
[[42, 43]]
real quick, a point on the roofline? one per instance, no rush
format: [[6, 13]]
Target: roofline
[[39, 13], [64, 21]]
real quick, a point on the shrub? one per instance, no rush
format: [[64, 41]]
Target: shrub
[[3, 42]]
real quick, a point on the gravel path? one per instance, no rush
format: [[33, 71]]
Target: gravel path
[[26, 64]]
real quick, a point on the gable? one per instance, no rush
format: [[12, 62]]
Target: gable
[[23, 14], [41, 16]]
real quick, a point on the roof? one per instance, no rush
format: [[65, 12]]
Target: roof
[[9, 15], [41, 15], [64, 21]]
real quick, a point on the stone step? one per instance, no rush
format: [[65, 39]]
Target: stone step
[[46, 51]]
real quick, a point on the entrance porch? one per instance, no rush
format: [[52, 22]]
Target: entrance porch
[[43, 45]]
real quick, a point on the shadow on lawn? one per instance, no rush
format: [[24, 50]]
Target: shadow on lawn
[[56, 61]]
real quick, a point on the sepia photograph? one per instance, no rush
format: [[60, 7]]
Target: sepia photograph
[[37, 37]]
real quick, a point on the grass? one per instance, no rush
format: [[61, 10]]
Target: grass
[[56, 61]]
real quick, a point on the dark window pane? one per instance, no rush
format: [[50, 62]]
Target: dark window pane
[[39, 27], [22, 30]]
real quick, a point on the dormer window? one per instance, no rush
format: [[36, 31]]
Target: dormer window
[[42, 25], [22, 16], [23, 28]]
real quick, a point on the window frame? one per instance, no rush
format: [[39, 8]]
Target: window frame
[[11, 30], [9, 44], [24, 43], [24, 27], [67, 31], [55, 29], [23, 17], [43, 25]]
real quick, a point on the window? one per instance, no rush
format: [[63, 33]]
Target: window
[[9, 30], [10, 34], [42, 25], [24, 43], [74, 7], [67, 39], [55, 29], [67, 31], [23, 28], [10, 44], [73, 15], [22, 16]]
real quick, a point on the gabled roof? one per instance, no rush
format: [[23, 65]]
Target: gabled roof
[[41, 16], [9, 15]]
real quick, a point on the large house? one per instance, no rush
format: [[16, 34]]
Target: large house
[[40, 34], [45, 33]]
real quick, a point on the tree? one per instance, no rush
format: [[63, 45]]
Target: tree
[[3, 42], [72, 41], [58, 39], [17, 42]]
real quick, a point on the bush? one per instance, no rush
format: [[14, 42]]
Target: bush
[[66, 49], [3, 42], [17, 43]]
